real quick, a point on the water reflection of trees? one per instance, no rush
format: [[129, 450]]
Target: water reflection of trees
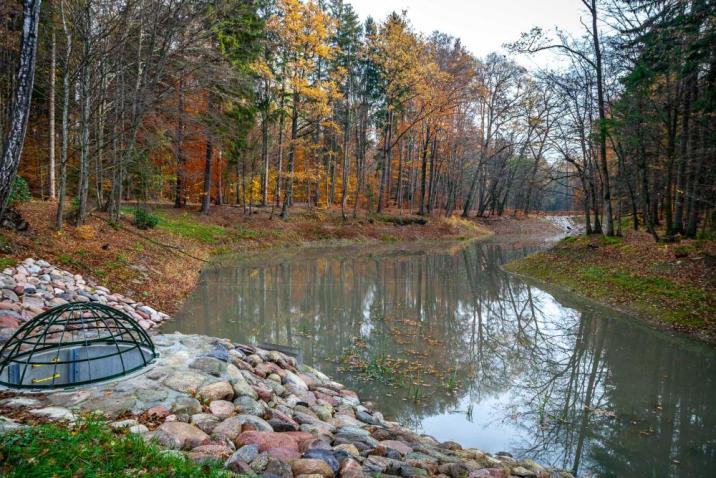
[[613, 398], [566, 372]]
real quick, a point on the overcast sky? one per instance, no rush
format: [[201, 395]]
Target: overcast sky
[[483, 25]]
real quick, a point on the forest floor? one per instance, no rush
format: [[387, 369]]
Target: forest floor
[[671, 286], [162, 265]]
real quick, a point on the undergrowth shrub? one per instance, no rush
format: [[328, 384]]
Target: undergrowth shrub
[[20, 191], [145, 220]]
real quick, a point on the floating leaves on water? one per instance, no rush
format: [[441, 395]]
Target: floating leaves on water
[[600, 412]]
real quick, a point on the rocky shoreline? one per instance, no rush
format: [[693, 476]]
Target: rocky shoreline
[[258, 411]]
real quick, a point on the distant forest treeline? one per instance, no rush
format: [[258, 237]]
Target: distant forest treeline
[[276, 102]]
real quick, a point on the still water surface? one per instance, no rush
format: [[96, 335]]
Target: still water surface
[[458, 349]]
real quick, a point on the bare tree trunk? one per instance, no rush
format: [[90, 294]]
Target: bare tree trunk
[[59, 220], [387, 151], [206, 197], [279, 162], [21, 99], [346, 162], [424, 172], [83, 185], [53, 66], [287, 196], [179, 147], [264, 158], [608, 215], [220, 185], [99, 176]]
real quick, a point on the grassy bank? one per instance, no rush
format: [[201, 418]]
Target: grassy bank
[[91, 449], [669, 285], [160, 266]]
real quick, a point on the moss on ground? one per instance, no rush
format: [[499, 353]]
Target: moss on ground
[[669, 284], [91, 449]]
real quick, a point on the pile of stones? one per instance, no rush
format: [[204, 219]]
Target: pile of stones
[[34, 286], [263, 414]]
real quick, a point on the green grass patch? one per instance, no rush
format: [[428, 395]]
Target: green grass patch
[[91, 449], [185, 226], [6, 262], [388, 238], [243, 233], [656, 297], [5, 245], [74, 261], [610, 240]]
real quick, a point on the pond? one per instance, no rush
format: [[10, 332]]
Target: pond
[[444, 341]]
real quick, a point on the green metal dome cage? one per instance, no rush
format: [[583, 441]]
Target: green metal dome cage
[[74, 344]]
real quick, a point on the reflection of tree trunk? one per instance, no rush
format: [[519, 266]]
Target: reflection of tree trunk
[[206, 197], [596, 359], [288, 194], [179, 199]]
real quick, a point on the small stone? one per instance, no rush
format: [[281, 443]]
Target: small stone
[[355, 434], [277, 468], [267, 440], [186, 382], [243, 389], [232, 427], [238, 466], [308, 466], [292, 379], [367, 418], [20, 402], [180, 436], [522, 471], [111, 405], [488, 473], [185, 405], [326, 455], [138, 429], [412, 471], [350, 465], [451, 445], [217, 391], [454, 470], [282, 422], [260, 462], [249, 406], [398, 446], [56, 302], [68, 399], [247, 453], [124, 424], [222, 408], [8, 322], [54, 413], [324, 411], [206, 422], [8, 425], [209, 365], [218, 452], [346, 450]]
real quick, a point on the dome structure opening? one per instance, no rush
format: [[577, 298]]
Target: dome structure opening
[[74, 344]]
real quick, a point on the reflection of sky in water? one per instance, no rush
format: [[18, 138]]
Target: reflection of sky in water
[[492, 425], [486, 426], [544, 376]]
